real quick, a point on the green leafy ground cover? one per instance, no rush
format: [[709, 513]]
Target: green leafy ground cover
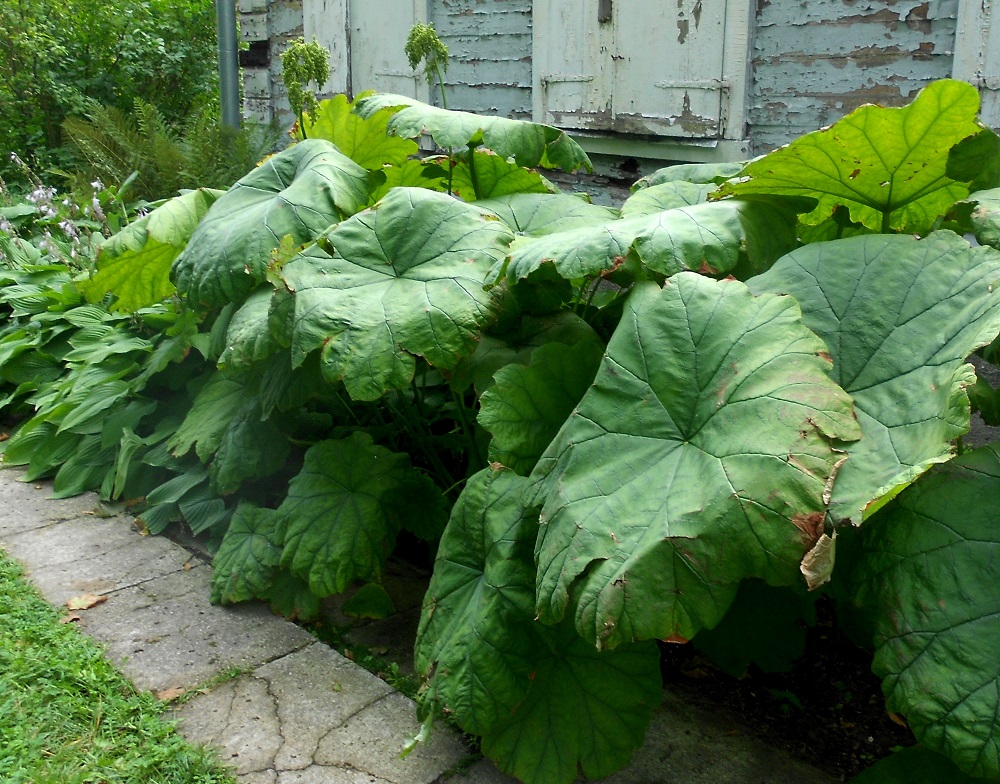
[[599, 424], [66, 715]]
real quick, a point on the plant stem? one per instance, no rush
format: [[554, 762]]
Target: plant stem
[[440, 78], [473, 174], [469, 431]]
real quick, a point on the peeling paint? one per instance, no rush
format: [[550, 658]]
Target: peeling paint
[[682, 30], [815, 62]]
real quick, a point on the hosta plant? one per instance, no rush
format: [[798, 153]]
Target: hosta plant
[[608, 423]]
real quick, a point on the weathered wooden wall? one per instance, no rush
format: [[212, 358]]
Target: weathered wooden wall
[[489, 47], [276, 22], [816, 60], [812, 61]]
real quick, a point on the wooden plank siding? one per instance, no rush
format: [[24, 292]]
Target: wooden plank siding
[[489, 47], [808, 63], [813, 62]]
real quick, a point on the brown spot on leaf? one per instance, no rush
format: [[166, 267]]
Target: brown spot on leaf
[[810, 526]]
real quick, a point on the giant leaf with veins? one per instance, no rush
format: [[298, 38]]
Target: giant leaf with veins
[[698, 457], [900, 316], [928, 577], [546, 702], [405, 279]]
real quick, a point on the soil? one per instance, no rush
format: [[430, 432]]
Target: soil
[[829, 710]]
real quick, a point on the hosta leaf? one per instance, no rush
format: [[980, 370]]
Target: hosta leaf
[[495, 351], [705, 237], [928, 577], [343, 512], [666, 196], [247, 559], [900, 316], [299, 192], [545, 702], [887, 165], [365, 141], [527, 405], [537, 214], [134, 264], [528, 143], [698, 457], [495, 177], [405, 280]]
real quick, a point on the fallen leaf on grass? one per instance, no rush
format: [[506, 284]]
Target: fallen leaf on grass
[[170, 694], [85, 601]]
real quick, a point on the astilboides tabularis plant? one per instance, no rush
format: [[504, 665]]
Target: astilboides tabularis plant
[[749, 374]]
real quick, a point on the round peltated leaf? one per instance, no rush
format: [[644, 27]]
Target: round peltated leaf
[[899, 315], [527, 404], [546, 702], [528, 143], [928, 577], [343, 511], [299, 192], [698, 457], [709, 238], [405, 279], [886, 165]]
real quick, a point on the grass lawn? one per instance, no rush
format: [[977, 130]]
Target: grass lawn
[[66, 715]]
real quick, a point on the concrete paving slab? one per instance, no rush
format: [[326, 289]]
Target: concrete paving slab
[[371, 741], [164, 633], [27, 505], [93, 555], [318, 714]]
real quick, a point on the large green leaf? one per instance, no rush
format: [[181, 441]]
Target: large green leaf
[[888, 166], [986, 216], [537, 214], [698, 173], [516, 344], [366, 141], [528, 404], [710, 238], [245, 565], [494, 176], [698, 457], [545, 702], [299, 192], [343, 512], [405, 280], [528, 143], [666, 196], [248, 338], [929, 578], [914, 765], [134, 264], [899, 316]]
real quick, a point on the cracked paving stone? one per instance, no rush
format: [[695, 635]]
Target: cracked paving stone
[[298, 698], [371, 741], [165, 633], [91, 555]]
